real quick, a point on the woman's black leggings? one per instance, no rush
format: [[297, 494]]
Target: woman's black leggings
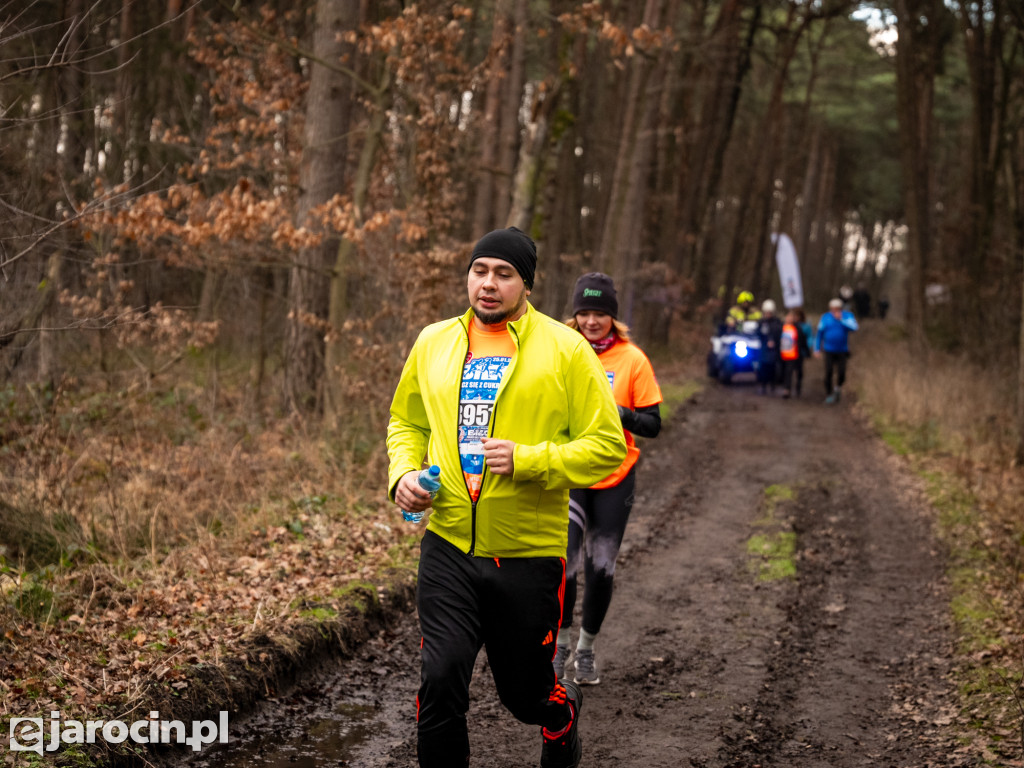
[[597, 522], [793, 373]]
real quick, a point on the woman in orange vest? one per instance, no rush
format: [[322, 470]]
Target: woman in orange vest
[[793, 348], [598, 515]]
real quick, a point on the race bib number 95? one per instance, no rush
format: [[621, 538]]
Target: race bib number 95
[[475, 414]]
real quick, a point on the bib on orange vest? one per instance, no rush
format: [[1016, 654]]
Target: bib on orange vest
[[788, 347]]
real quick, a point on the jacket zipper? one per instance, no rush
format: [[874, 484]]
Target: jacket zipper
[[472, 529], [458, 396], [490, 433]]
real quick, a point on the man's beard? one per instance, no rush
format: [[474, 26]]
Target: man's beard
[[494, 318]]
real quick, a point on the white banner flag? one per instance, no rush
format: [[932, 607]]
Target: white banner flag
[[789, 271]]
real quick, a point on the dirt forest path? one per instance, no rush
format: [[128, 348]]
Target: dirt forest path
[[704, 663]]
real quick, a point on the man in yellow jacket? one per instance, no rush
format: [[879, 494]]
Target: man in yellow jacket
[[743, 310], [515, 409]]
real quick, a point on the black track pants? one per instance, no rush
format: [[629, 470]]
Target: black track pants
[[597, 523], [510, 606], [835, 361]]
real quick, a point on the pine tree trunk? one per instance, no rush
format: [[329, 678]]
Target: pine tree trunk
[[718, 116], [1020, 380], [1017, 204], [484, 214], [50, 367], [337, 343], [616, 252], [917, 61], [321, 177], [511, 101]]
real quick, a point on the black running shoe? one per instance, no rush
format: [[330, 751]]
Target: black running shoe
[[564, 749]]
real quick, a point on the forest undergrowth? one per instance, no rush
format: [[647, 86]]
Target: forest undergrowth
[[149, 536], [952, 419]]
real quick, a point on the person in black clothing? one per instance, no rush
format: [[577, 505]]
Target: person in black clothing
[[769, 331], [862, 302]]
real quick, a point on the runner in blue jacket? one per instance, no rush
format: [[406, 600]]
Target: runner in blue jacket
[[833, 340]]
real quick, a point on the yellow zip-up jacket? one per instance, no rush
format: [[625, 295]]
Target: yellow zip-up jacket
[[554, 403]]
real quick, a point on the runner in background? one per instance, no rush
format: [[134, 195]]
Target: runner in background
[[769, 331], [794, 349], [598, 515], [833, 340]]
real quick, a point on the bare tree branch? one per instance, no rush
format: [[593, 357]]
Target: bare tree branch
[[62, 56], [53, 226]]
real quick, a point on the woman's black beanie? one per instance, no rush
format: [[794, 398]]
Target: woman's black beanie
[[595, 292], [512, 245]]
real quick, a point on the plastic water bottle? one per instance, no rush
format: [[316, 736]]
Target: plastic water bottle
[[430, 481]]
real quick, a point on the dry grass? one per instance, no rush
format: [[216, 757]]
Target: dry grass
[[123, 476], [953, 420], [956, 405], [106, 497]]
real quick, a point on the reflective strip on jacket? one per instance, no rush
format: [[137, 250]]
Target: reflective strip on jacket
[[740, 315], [554, 403]]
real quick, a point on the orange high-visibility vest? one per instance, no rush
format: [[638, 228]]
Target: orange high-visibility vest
[[789, 348]]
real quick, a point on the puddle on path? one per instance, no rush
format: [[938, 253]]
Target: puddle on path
[[312, 728]]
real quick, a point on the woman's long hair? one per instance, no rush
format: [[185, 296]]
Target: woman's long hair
[[620, 328]]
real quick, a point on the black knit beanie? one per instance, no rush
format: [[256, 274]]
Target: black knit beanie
[[595, 292], [512, 245]]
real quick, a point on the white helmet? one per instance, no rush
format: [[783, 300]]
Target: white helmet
[[768, 306]]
